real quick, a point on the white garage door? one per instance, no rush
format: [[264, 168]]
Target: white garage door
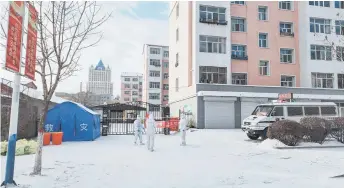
[[247, 108], [219, 115]]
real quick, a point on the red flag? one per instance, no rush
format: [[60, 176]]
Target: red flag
[[31, 45], [14, 35]]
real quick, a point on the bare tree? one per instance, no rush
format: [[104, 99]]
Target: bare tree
[[82, 98], [65, 29]]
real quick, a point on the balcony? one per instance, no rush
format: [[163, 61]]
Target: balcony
[[288, 34], [211, 21], [239, 57]]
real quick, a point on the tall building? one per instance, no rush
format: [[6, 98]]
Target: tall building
[[131, 87], [156, 75], [99, 83], [228, 57]]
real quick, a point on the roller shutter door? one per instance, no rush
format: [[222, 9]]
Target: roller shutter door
[[219, 115]]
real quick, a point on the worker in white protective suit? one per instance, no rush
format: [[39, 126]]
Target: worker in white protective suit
[[138, 128], [150, 132], [183, 128]]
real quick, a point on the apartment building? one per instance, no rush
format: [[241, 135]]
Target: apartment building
[[131, 87], [156, 75], [227, 57]]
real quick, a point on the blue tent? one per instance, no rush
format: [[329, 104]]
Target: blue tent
[[77, 122]]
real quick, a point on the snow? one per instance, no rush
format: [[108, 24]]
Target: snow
[[275, 144], [212, 159], [85, 108]]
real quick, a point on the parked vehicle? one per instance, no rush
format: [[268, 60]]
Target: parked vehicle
[[256, 125]]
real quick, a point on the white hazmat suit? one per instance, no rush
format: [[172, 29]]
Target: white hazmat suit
[[183, 127], [138, 128], [150, 132]]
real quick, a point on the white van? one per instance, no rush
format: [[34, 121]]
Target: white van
[[264, 115]]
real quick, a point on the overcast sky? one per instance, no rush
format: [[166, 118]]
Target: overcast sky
[[132, 25]]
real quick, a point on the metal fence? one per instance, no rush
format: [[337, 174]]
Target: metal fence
[[118, 126]]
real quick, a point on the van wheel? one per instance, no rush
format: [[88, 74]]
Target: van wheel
[[253, 137]]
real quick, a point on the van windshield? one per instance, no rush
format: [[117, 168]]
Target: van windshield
[[262, 110]]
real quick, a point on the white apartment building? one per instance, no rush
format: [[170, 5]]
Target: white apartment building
[[321, 23], [131, 87], [156, 75]]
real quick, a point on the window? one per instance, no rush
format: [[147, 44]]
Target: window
[[154, 85], [177, 59], [340, 53], [154, 73], [126, 99], [154, 50], [135, 93], [263, 40], [320, 25], [177, 35], [278, 111], [328, 110], [238, 24], [166, 64], [239, 78], [286, 29], [135, 86], [177, 10], [339, 27], [238, 51], [212, 44], [154, 108], [238, 2], [165, 75], [165, 98], [285, 5], [134, 99], [155, 62], [287, 81], [127, 86], [322, 80], [286, 55], [135, 79], [140, 83], [263, 13], [154, 96], [210, 14], [340, 81], [165, 86], [339, 4], [311, 111], [320, 3], [294, 111], [264, 68], [127, 79], [177, 84], [319, 52], [166, 53], [127, 92], [213, 75]]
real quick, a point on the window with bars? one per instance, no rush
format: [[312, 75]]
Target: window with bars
[[319, 52], [154, 96], [263, 40], [238, 2], [211, 14], [239, 78], [239, 52], [340, 81], [339, 25], [340, 53], [320, 3], [154, 73], [286, 55], [213, 75], [322, 80], [155, 62], [286, 29], [320, 25], [154, 85], [262, 12], [339, 4], [238, 24], [285, 5], [287, 81], [212, 44], [264, 68], [154, 50]]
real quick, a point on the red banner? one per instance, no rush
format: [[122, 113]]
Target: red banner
[[14, 35], [31, 45]]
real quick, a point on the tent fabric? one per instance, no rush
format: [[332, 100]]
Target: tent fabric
[[77, 122]]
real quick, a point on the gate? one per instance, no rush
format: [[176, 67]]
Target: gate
[[119, 118]]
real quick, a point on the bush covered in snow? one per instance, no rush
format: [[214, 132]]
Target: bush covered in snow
[[315, 129], [338, 129], [23, 147], [288, 132]]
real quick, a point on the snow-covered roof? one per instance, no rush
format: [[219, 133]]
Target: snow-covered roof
[[131, 74], [85, 108]]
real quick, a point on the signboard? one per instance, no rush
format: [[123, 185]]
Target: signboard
[[14, 35], [31, 45], [285, 96]]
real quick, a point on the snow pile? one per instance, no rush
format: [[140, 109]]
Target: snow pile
[[272, 144], [326, 143], [23, 147]]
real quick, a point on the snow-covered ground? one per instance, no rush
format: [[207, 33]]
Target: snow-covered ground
[[212, 159]]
